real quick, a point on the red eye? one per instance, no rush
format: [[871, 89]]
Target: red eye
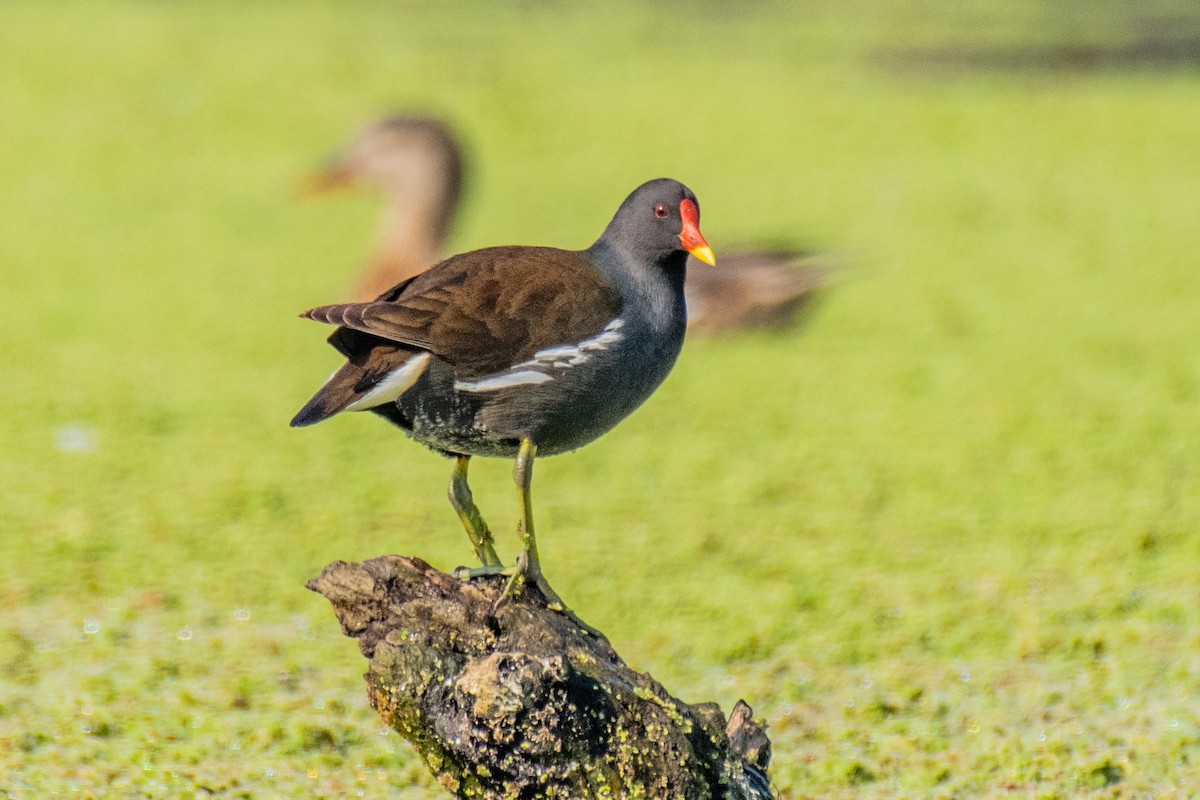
[[660, 211]]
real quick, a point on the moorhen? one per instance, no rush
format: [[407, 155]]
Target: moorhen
[[520, 351], [416, 164]]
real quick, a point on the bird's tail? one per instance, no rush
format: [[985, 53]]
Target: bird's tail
[[369, 379], [337, 393]]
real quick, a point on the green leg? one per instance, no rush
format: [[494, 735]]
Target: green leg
[[529, 566], [472, 520]]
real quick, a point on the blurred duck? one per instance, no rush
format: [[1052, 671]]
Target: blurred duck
[[751, 289], [416, 164]]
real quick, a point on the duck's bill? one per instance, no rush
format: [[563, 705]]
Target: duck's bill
[[325, 181]]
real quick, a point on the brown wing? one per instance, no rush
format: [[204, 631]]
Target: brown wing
[[486, 310]]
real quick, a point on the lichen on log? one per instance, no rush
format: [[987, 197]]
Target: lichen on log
[[518, 701]]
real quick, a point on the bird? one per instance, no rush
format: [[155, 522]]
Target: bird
[[519, 351], [755, 289], [417, 164]]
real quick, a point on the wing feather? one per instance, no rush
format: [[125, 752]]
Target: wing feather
[[483, 311]]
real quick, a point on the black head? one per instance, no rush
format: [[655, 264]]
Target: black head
[[659, 219]]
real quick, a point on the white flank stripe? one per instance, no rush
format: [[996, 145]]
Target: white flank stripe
[[503, 380], [558, 357], [394, 384], [555, 353]]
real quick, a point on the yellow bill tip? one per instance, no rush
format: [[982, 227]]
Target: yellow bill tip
[[704, 253]]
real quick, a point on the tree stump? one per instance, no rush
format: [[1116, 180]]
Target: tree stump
[[518, 701]]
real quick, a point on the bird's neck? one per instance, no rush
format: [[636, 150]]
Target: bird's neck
[[653, 292], [412, 232]]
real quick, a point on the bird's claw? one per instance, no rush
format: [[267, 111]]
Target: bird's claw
[[516, 580]]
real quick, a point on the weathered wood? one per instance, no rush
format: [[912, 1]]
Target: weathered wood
[[520, 702]]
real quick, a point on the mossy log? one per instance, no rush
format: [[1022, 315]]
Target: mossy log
[[517, 701]]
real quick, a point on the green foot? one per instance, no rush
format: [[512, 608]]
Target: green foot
[[516, 580], [467, 574], [519, 576]]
